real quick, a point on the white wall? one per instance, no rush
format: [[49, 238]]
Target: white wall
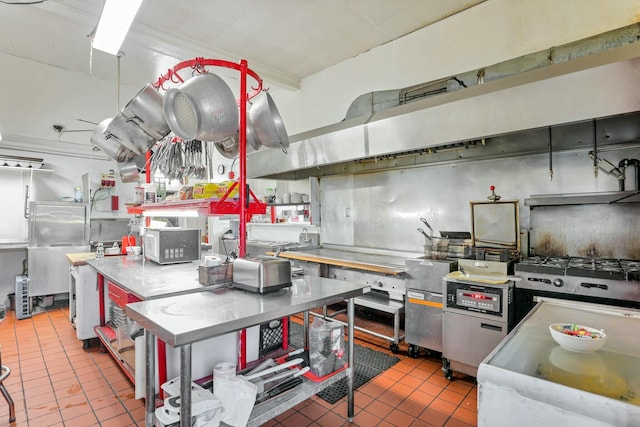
[[492, 32]]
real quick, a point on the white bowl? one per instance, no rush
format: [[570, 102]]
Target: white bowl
[[592, 340], [137, 250]]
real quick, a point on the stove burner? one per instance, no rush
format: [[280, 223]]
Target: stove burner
[[631, 268], [540, 264], [596, 268]]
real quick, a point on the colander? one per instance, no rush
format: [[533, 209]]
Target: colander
[[202, 108], [267, 123]]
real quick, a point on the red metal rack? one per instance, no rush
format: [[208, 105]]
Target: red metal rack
[[243, 207]]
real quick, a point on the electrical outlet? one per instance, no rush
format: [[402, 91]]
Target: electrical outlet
[[107, 180]]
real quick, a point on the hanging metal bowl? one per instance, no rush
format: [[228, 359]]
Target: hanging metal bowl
[[202, 108], [267, 123], [229, 148]]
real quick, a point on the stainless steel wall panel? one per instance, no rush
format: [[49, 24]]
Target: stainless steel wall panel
[[337, 208], [386, 206]]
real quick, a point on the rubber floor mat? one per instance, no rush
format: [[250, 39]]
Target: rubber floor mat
[[368, 363]]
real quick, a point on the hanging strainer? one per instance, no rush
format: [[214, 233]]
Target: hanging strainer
[[267, 123], [203, 108]]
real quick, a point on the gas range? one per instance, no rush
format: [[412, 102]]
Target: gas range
[[616, 279]]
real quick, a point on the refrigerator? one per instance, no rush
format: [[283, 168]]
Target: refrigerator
[[55, 229]]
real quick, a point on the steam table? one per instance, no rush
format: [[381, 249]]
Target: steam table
[[183, 320]]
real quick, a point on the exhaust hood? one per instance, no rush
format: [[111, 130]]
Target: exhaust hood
[[505, 115]]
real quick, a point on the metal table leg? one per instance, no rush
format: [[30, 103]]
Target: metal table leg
[[150, 392], [350, 338], [305, 317], [185, 385]]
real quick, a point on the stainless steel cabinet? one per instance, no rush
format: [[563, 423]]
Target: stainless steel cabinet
[[469, 339], [423, 320]]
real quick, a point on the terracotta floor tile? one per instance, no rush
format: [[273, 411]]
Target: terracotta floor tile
[[411, 381], [461, 387], [399, 418], [393, 374], [379, 409], [451, 396], [470, 404], [453, 422], [113, 410], [331, 419], [421, 397], [430, 388], [411, 406], [313, 410], [434, 417], [83, 420], [465, 415], [121, 420], [443, 406], [366, 419], [296, 420], [362, 400]]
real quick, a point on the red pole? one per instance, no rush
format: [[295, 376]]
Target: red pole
[[243, 154]]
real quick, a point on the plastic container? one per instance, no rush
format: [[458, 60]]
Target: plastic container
[[149, 193]]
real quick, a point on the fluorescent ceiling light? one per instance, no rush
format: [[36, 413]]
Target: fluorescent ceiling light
[[115, 21]]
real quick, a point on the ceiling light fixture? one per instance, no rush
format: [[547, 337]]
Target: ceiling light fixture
[[115, 21]]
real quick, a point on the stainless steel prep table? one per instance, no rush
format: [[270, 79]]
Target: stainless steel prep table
[[147, 280], [143, 280], [182, 320]]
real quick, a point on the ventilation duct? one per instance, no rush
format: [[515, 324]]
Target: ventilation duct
[[495, 110]]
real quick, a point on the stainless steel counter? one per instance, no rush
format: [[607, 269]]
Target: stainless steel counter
[[376, 262], [185, 319], [148, 280]]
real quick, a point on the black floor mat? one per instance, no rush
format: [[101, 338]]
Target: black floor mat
[[368, 363]]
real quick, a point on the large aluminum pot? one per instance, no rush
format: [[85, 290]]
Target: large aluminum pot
[[202, 108], [129, 134], [267, 123], [145, 108], [110, 146], [128, 170]]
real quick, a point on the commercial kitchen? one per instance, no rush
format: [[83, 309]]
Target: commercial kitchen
[[242, 200]]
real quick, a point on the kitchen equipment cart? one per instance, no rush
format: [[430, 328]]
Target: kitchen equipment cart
[[181, 321]]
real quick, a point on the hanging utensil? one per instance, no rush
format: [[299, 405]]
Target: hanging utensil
[[427, 224], [424, 233]]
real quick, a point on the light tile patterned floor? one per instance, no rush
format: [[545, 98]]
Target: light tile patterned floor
[[54, 382]]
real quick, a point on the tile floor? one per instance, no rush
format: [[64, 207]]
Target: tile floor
[[54, 382]]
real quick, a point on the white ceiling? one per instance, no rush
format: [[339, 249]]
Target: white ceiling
[[283, 40]]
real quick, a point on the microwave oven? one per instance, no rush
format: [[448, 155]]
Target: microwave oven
[[172, 245]]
